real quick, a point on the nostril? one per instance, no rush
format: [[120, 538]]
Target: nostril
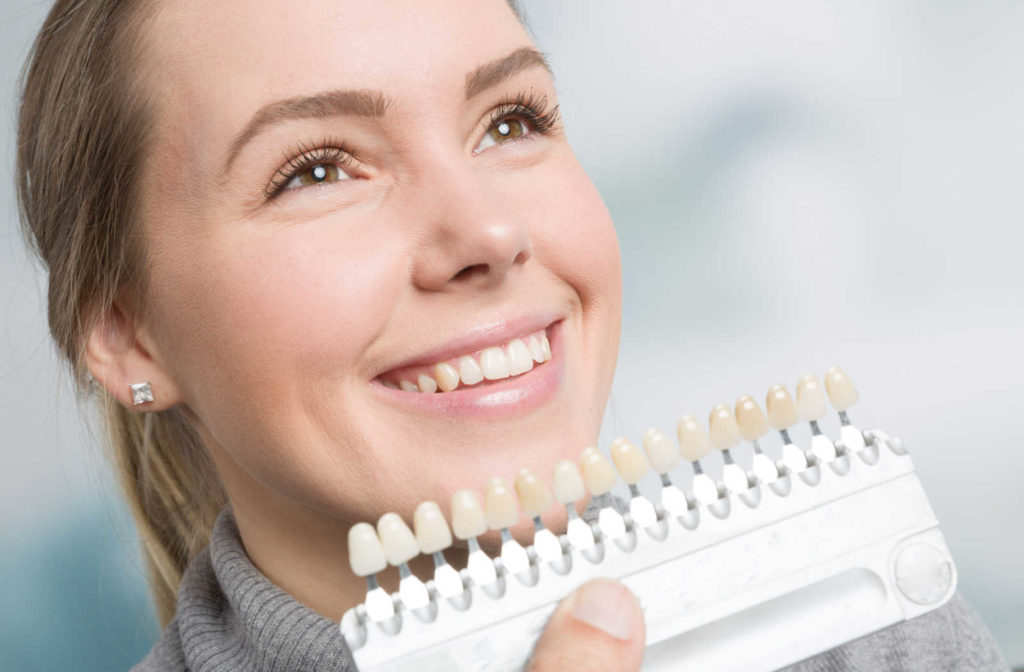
[[470, 271]]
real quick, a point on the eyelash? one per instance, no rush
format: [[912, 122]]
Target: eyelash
[[527, 106]]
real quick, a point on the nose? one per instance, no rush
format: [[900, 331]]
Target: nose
[[474, 239]]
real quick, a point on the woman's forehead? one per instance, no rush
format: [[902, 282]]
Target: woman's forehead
[[215, 66]]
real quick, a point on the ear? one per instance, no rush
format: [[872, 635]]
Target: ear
[[116, 357]]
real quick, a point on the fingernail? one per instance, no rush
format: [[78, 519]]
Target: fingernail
[[606, 605]]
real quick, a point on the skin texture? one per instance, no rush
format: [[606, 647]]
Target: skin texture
[[269, 321]]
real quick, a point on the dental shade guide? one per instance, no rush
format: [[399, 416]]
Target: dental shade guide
[[755, 578]]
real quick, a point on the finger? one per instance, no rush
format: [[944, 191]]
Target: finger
[[598, 627]]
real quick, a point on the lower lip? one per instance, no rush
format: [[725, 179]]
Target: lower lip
[[496, 400]]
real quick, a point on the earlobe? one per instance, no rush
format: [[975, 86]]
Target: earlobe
[[122, 364]]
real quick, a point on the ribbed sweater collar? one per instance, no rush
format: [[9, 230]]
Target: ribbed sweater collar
[[231, 617]]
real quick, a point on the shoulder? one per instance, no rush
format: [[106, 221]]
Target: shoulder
[[166, 655], [952, 638]]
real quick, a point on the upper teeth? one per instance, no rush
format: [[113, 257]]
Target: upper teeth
[[492, 363]]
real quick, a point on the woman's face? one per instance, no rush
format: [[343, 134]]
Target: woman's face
[[342, 195]]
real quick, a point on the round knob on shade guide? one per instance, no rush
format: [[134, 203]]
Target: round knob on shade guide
[[629, 460], [661, 451], [432, 533], [598, 472], [534, 495], [468, 518], [810, 398], [722, 428], [568, 483], [397, 539], [841, 392], [500, 507], [693, 440], [365, 554], [750, 418], [781, 407]]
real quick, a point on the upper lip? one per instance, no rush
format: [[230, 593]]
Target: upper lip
[[478, 337]]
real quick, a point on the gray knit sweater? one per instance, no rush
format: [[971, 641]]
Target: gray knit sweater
[[231, 617]]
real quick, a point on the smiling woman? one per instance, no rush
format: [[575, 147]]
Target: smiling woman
[[319, 261]]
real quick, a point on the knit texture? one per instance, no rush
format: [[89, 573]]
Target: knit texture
[[230, 617]]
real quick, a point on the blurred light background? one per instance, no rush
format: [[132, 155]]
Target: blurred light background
[[795, 184]]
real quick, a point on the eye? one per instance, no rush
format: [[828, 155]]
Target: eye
[[506, 129], [319, 173]]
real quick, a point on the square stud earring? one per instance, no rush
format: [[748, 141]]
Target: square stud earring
[[141, 392]]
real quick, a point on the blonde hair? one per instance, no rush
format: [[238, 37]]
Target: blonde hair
[[82, 140], [83, 128]]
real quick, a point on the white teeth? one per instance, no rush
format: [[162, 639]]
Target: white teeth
[[500, 505], [568, 483], [662, 453], [598, 472], [365, 553], [535, 349], [750, 418], [534, 495], [397, 539], [494, 364], [629, 460], [693, 440], [432, 533], [781, 409], [426, 383], [469, 370], [810, 398], [468, 519], [519, 358], [447, 377], [841, 391]]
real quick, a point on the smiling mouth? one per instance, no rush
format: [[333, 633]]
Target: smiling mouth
[[493, 363]]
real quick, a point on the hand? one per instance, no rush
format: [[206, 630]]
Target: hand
[[597, 628]]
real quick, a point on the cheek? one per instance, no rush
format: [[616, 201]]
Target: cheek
[[273, 314]]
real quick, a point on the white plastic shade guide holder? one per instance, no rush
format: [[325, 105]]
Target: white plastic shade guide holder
[[774, 584]]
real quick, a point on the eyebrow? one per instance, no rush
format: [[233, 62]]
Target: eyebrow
[[372, 103]]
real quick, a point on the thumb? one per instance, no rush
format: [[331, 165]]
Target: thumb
[[598, 627]]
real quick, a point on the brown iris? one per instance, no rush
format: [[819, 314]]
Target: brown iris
[[318, 174], [509, 128]]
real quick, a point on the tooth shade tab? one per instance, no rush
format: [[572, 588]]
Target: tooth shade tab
[[781, 408], [432, 532], [397, 539], [810, 398], [534, 495], [662, 452], [629, 460], [693, 440], [598, 472], [722, 427], [365, 554], [750, 418], [500, 505], [841, 392], [468, 520], [568, 483]]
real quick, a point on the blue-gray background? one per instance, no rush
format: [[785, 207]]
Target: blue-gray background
[[795, 184]]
